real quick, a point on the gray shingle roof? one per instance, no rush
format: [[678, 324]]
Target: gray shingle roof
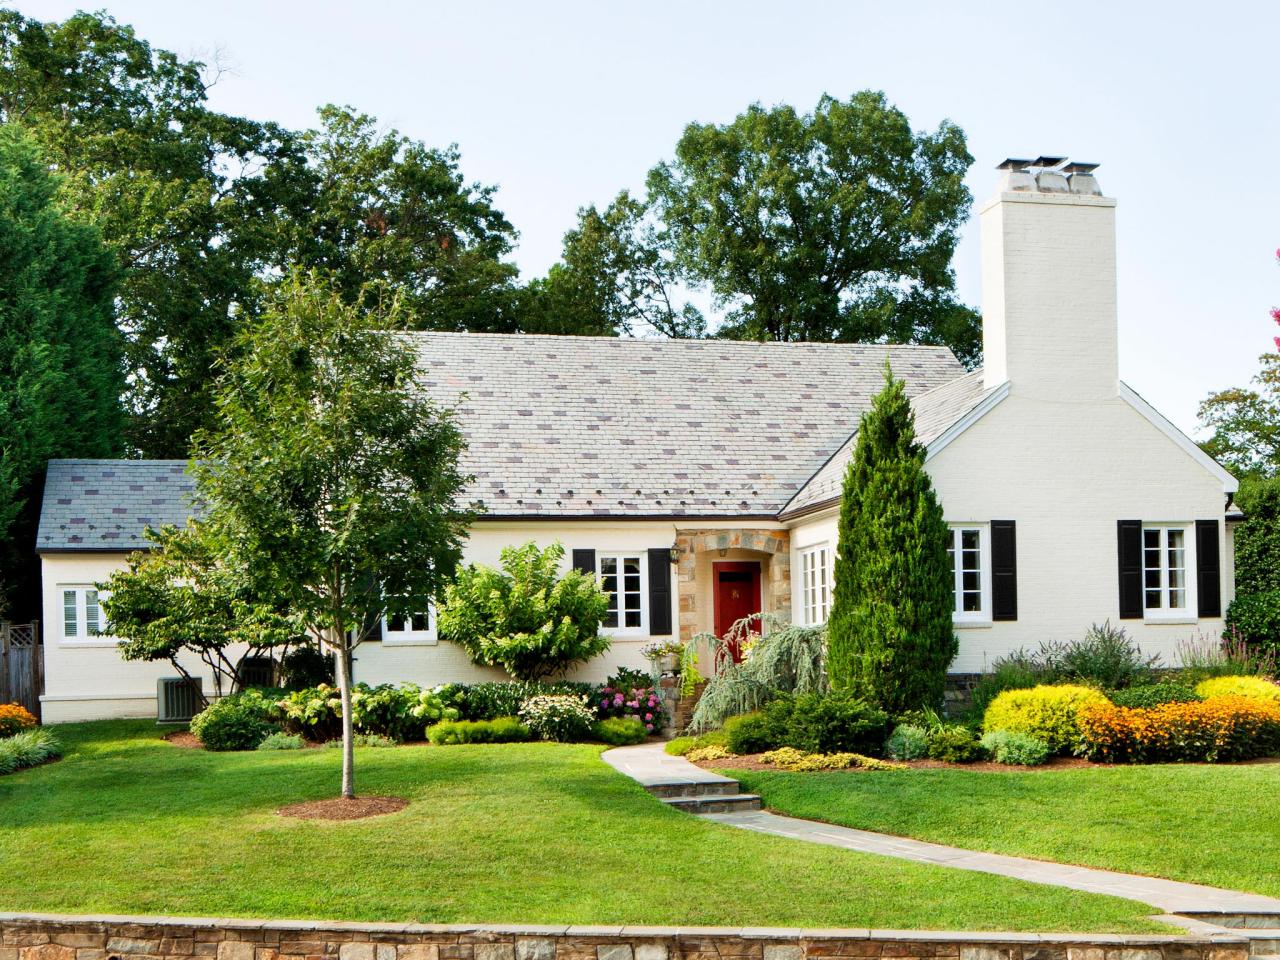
[[934, 411], [591, 426], [587, 426], [106, 504]]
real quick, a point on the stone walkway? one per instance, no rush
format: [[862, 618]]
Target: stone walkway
[[655, 770]]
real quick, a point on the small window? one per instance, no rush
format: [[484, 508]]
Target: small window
[[969, 553], [622, 578], [83, 619], [815, 585], [1165, 587], [410, 629]]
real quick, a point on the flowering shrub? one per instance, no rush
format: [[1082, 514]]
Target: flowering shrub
[[1045, 712], [557, 717], [643, 703], [1253, 687], [662, 648], [1223, 728], [14, 718]]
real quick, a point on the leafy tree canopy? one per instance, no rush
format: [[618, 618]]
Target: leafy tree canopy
[[183, 596], [1246, 423], [615, 278], [890, 634], [837, 225], [61, 374]]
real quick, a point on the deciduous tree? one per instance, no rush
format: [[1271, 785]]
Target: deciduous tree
[[890, 634], [330, 477], [838, 225]]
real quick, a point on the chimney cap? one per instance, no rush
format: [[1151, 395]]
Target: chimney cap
[[1047, 161], [1076, 167], [1014, 163]]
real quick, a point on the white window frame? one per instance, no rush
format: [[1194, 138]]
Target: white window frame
[[619, 556], [409, 637], [82, 637], [815, 584], [1165, 613], [959, 615]]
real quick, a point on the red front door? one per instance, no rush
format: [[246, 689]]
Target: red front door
[[737, 594]]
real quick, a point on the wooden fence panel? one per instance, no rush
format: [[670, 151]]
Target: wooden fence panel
[[21, 665]]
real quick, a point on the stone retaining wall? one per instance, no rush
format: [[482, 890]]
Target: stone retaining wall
[[55, 937]]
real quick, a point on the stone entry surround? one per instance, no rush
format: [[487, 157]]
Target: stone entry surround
[[61, 937], [773, 548]]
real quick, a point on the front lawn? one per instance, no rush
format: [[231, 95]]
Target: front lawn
[[1204, 824], [532, 833]]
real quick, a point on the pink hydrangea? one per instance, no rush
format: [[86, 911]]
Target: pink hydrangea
[[648, 716]]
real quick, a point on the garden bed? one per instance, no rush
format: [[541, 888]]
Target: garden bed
[[1052, 765]]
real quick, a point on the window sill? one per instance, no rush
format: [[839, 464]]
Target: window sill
[[972, 624], [1157, 621], [89, 644], [410, 642]]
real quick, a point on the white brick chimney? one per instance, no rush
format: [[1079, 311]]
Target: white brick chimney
[[1049, 282]]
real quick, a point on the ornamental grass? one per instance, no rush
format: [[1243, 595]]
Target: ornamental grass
[[1221, 729]]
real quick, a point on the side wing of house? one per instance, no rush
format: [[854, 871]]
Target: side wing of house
[[1069, 514]]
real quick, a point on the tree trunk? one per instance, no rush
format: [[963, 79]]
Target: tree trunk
[[342, 658]]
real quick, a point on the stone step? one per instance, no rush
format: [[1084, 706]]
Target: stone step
[[734, 803], [683, 788]]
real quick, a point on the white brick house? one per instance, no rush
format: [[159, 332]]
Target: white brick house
[[701, 479]]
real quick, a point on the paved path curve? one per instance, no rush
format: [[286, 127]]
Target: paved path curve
[[650, 766]]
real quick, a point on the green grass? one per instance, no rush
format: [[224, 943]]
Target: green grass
[[533, 833], [1204, 824]]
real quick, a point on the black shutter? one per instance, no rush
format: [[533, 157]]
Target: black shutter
[[1208, 570], [584, 560], [1129, 553], [1004, 570], [660, 591]]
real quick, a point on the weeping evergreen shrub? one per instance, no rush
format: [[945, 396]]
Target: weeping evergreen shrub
[[785, 660], [890, 634]]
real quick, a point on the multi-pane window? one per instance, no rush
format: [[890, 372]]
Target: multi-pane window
[[815, 585], [967, 552], [413, 628], [1164, 570], [622, 580], [82, 615]]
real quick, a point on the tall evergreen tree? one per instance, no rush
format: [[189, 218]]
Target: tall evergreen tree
[[890, 637], [61, 373]]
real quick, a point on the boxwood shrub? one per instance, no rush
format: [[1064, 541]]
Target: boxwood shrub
[[236, 722], [498, 730], [620, 731], [813, 723]]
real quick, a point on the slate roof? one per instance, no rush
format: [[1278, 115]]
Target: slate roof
[[106, 504], [598, 426], [935, 411], [593, 426]]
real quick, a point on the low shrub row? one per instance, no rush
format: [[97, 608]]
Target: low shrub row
[[27, 748], [1228, 727], [498, 730], [1222, 718]]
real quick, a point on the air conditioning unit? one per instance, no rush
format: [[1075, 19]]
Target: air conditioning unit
[[178, 699]]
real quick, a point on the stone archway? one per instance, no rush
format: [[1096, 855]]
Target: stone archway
[[773, 548]]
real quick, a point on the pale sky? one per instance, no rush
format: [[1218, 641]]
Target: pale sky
[[562, 104]]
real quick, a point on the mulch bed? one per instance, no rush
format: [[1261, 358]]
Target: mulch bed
[[753, 762], [185, 739], [343, 808]]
